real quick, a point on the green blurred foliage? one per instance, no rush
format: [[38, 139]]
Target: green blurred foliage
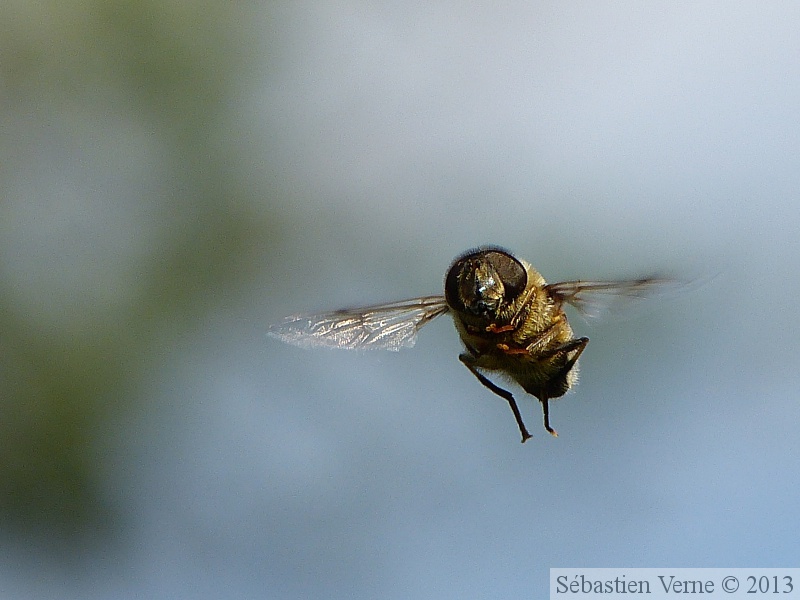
[[77, 69]]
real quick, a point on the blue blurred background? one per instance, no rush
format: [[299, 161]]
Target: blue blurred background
[[174, 177]]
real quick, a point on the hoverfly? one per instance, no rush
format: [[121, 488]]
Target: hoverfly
[[509, 319]]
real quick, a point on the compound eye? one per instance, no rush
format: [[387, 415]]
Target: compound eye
[[510, 271], [452, 283]]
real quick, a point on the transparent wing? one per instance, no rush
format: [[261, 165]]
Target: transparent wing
[[599, 298], [385, 326]]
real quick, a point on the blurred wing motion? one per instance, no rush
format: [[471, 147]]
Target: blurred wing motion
[[598, 298], [385, 326]]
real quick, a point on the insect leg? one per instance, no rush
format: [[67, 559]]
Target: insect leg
[[468, 361], [540, 338], [546, 415], [576, 345]]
